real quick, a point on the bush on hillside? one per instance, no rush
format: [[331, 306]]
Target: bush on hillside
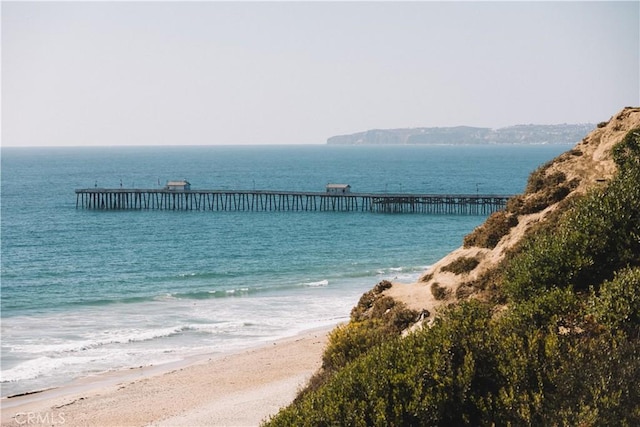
[[471, 369], [558, 368], [540, 201], [426, 277], [540, 179], [439, 292], [362, 310], [617, 305], [544, 188], [375, 319], [424, 379], [627, 154], [461, 265], [494, 228], [539, 364]]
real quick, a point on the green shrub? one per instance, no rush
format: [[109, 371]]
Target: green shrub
[[426, 277], [382, 286], [347, 342], [550, 377], [383, 318], [494, 228], [465, 290], [439, 292], [540, 201], [471, 369], [461, 265], [618, 304], [439, 376], [539, 179], [399, 318], [626, 154], [542, 310], [543, 189], [595, 382], [514, 204], [368, 299]]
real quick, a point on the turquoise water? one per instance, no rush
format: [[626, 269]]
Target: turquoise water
[[89, 291]]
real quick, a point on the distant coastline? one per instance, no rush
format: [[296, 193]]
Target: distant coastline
[[519, 134]]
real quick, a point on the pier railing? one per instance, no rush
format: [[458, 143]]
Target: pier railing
[[265, 200]]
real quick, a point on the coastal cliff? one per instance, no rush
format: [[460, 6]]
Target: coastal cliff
[[519, 134], [535, 320], [586, 166]]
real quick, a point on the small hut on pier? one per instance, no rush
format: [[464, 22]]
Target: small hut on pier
[[183, 185], [338, 188]]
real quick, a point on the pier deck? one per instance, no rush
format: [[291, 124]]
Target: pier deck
[[266, 200]]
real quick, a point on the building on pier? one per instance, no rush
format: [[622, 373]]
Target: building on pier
[[338, 188], [183, 185]]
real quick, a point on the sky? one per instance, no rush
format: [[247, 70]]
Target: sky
[[210, 73]]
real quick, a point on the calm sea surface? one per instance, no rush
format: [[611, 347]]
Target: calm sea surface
[[86, 291]]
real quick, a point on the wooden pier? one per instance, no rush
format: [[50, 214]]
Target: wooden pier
[[264, 200]]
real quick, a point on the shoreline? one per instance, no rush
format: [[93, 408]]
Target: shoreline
[[239, 388]]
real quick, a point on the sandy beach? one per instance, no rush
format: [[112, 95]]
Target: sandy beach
[[239, 389]]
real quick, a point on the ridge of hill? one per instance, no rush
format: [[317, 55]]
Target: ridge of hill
[[518, 134]]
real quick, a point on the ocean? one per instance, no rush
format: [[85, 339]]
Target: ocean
[[85, 292]]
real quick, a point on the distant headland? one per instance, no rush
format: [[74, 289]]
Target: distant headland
[[519, 134]]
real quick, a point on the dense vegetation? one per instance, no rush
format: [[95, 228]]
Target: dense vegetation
[[563, 350]]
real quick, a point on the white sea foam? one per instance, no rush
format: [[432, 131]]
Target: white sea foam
[[34, 368], [96, 340], [101, 338], [319, 283]]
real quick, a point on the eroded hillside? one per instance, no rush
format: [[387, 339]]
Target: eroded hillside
[[467, 271]]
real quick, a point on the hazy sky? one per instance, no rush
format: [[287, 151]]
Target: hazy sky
[[173, 73]]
